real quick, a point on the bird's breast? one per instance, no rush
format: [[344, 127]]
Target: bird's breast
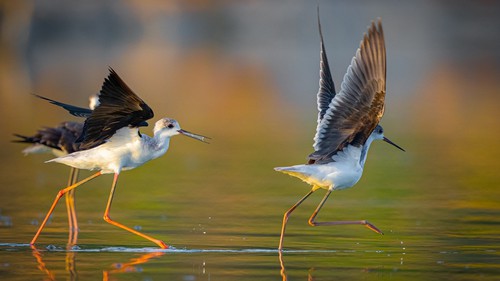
[[341, 175]]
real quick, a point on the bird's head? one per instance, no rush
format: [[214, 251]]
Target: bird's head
[[378, 134], [167, 126], [170, 127]]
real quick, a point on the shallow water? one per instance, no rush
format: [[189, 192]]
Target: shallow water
[[226, 234], [220, 205]]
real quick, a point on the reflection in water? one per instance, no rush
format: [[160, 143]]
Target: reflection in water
[[282, 265], [41, 264], [283, 274], [131, 265], [70, 264]]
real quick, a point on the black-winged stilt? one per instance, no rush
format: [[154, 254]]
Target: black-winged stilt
[[111, 142], [347, 124], [61, 140]]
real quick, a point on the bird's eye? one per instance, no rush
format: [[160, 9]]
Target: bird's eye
[[170, 125]]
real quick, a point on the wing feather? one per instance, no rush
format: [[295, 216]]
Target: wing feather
[[73, 110], [354, 112], [326, 86], [118, 107]]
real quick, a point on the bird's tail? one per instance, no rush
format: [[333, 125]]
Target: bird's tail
[[67, 159], [35, 148], [24, 139], [294, 171], [61, 159]]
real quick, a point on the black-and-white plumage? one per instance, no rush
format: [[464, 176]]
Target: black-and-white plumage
[[349, 117], [347, 123], [118, 107], [111, 142]]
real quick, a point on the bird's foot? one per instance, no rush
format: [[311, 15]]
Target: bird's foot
[[162, 244], [372, 227]]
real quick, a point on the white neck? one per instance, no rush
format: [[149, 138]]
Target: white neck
[[160, 143], [364, 150]]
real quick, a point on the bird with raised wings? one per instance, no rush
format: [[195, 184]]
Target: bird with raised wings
[[111, 141], [348, 122]]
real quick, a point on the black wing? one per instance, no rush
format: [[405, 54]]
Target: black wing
[[73, 110], [355, 111], [70, 132], [118, 107]]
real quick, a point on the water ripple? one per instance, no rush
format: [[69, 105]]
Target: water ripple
[[53, 248]]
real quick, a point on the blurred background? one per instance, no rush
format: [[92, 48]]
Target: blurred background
[[246, 74]]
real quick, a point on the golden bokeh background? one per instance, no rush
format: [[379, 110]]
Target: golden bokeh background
[[246, 74]]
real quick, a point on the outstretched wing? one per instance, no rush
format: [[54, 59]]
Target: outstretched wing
[[355, 111], [73, 110], [118, 107], [326, 86]]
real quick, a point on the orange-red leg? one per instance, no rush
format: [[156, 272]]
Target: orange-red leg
[[70, 206], [108, 219], [287, 214], [58, 196], [312, 222]]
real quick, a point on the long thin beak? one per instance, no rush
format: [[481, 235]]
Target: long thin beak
[[390, 142], [194, 136]]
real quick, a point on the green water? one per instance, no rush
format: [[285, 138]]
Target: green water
[[224, 221]]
